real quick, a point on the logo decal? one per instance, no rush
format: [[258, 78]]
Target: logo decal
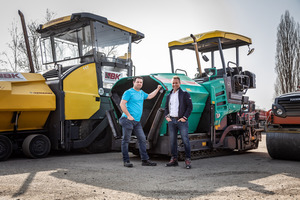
[[11, 76], [295, 99], [112, 77]]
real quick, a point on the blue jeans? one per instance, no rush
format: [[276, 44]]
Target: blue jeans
[[175, 126], [127, 127]]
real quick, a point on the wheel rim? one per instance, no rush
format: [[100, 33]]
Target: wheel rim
[[36, 146], [39, 146]]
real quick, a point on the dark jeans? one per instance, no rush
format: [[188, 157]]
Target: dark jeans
[[127, 127], [175, 126]]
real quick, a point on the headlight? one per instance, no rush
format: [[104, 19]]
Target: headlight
[[101, 91], [210, 74], [279, 112]]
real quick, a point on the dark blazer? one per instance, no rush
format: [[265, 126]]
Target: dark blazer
[[185, 104]]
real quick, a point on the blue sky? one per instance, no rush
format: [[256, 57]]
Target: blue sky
[[168, 20]]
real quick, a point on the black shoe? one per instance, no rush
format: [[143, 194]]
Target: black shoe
[[148, 163], [173, 162], [188, 163], [128, 164]]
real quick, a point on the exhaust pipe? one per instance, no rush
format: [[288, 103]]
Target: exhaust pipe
[[197, 54], [26, 42]]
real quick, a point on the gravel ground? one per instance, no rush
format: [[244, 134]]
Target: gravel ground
[[252, 175]]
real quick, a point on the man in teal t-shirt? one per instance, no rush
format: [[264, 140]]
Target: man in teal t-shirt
[[135, 100], [132, 106]]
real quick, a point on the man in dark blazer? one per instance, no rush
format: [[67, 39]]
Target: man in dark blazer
[[178, 108]]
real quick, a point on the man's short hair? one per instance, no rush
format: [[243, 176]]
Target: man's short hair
[[137, 77], [176, 77]]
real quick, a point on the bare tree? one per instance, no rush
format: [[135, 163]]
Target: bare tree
[[9, 61], [16, 58], [287, 55], [49, 15], [34, 46]]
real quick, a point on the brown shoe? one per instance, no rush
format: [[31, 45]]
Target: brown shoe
[[188, 163], [173, 162]]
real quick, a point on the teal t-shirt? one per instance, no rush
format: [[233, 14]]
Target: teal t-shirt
[[135, 101]]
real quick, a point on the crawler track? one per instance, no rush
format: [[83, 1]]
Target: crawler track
[[206, 153]]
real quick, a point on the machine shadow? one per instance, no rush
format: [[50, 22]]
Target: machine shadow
[[105, 171], [162, 182]]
